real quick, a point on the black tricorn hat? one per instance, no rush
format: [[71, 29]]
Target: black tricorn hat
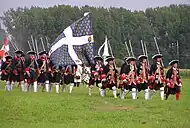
[[8, 57], [43, 52], [31, 53], [98, 58], [19, 52], [157, 56], [130, 59], [173, 62], [110, 58], [142, 57]]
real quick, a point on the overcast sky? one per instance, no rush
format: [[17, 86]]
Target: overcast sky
[[129, 4]]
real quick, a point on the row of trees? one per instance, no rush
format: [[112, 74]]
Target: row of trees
[[119, 24]]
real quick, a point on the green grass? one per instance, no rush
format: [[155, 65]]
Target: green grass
[[50, 110]]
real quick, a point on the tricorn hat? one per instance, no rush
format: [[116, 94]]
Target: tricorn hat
[[8, 57], [157, 56], [43, 52], [109, 58], [142, 57], [130, 59], [173, 62], [19, 52], [31, 53], [98, 58]]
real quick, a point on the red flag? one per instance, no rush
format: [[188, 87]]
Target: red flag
[[5, 46], [2, 53]]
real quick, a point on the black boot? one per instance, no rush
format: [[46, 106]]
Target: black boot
[[167, 95]]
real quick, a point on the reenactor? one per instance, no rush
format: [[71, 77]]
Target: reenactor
[[31, 70], [110, 75], [96, 72], [69, 77], [142, 75], [130, 72], [57, 77], [18, 67], [44, 69], [157, 76], [123, 79], [173, 80], [78, 75], [6, 72]]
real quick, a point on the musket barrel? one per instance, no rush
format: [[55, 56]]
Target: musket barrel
[[127, 49]]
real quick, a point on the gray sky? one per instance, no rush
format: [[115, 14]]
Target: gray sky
[[129, 4]]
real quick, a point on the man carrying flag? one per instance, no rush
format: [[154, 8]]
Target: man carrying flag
[[74, 46]]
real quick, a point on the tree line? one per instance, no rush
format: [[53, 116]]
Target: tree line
[[168, 24]]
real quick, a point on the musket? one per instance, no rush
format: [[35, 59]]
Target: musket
[[36, 44], [127, 49], [47, 42], [12, 41], [158, 50], [156, 43], [13, 45], [177, 45], [146, 53], [130, 45], [33, 43], [10, 38], [42, 43], [143, 48], [29, 45]]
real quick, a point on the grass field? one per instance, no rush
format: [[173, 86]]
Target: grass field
[[78, 110]]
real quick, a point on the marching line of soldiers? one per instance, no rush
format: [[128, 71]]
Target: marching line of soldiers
[[31, 72], [133, 78]]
